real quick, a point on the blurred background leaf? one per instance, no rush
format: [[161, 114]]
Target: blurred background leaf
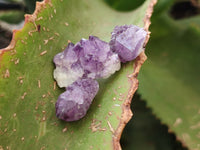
[[12, 17], [124, 5], [146, 132], [169, 80]]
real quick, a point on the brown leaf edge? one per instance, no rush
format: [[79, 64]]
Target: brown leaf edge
[[126, 111], [28, 18]]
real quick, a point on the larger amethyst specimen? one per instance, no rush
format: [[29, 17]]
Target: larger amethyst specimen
[[91, 58], [127, 41], [73, 104]]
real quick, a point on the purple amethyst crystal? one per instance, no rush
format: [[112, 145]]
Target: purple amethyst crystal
[[97, 59], [91, 58], [73, 104], [80, 64], [127, 41], [68, 69]]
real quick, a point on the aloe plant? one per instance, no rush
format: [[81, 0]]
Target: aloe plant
[[169, 80], [28, 91]]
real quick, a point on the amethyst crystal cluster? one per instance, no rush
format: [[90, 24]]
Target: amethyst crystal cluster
[[79, 65]]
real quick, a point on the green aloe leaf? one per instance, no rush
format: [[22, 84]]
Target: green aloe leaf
[[145, 131], [27, 89], [169, 80], [12, 17], [126, 5]]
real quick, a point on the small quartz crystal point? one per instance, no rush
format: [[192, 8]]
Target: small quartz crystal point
[[127, 41], [73, 104], [97, 59]]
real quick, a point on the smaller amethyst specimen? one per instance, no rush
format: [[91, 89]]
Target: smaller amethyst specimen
[[73, 104], [127, 41]]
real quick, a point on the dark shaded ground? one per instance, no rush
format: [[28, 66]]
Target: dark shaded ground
[[5, 37], [184, 9]]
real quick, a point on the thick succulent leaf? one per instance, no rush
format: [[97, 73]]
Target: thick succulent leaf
[[170, 78], [126, 5], [12, 17], [145, 131], [28, 92]]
